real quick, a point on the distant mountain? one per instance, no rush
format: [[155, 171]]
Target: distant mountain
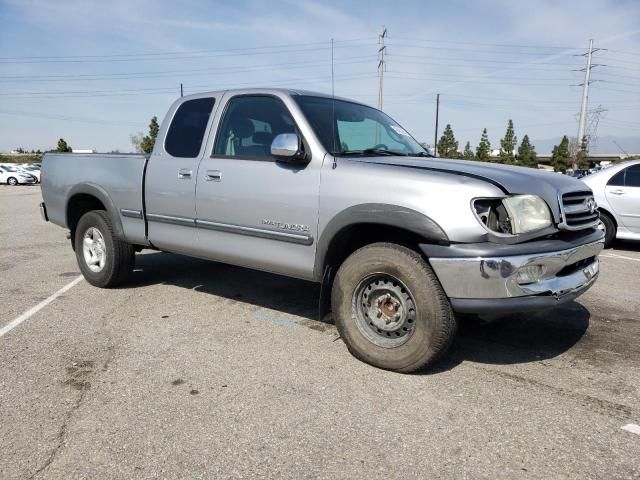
[[604, 144]]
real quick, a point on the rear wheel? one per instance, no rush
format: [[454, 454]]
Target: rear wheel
[[609, 229], [12, 181], [104, 259], [390, 309]]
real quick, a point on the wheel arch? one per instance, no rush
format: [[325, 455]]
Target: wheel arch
[[607, 212], [85, 197], [363, 224]]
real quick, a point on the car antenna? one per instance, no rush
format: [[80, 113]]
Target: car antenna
[[333, 112]]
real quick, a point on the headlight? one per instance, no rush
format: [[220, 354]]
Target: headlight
[[528, 213], [513, 215]]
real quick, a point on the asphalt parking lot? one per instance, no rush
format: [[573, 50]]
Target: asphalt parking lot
[[202, 370]]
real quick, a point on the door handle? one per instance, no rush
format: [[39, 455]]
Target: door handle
[[184, 173], [617, 192], [213, 176]]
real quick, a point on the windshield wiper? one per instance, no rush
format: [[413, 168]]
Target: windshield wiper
[[421, 154], [372, 151]]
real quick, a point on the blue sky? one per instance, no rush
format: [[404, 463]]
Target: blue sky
[[95, 72]]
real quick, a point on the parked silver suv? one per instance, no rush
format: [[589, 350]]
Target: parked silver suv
[[333, 191]]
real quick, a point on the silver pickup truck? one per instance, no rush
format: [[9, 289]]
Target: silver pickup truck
[[333, 191]]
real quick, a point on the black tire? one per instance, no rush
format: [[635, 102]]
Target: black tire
[[119, 255], [609, 229], [13, 181], [433, 327]]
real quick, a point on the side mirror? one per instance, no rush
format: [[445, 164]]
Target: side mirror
[[287, 147]]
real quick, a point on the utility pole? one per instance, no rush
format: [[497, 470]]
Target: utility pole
[[381, 64], [585, 99], [435, 137], [181, 92]]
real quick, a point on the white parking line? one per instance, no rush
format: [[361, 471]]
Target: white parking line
[[632, 427], [613, 255], [14, 323]]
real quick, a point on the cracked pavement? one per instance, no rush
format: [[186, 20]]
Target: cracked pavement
[[202, 370]]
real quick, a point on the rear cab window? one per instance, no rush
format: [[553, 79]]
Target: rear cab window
[[188, 126]]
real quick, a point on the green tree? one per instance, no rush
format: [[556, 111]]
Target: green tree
[[468, 153], [582, 154], [508, 145], [483, 150], [144, 143], [63, 146], [148, 141], [527, 156], [448, 145], [560, 157]]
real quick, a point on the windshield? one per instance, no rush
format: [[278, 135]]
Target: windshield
[[356, 129]]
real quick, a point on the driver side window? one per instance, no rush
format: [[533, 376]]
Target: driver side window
[[250, 124]]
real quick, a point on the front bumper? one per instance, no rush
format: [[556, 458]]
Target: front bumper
[[492, 283]]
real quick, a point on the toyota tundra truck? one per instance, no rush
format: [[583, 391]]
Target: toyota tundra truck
[[333, 191]]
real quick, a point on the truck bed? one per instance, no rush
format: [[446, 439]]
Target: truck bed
[[117, 177]]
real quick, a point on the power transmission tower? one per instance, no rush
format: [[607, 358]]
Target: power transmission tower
[[591, 130], [381, 64], [585, 97]]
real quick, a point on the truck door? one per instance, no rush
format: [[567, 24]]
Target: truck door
[[253, 210], [170, 181], [623, 194]]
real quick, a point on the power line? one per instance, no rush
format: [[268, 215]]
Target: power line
[[220, 53], [173, 73], [556, 47], [480, 60], [220, 86], [475, 50], [65, 118], [135, 56]]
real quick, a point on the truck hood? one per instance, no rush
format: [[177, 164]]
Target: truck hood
[[510, 179]]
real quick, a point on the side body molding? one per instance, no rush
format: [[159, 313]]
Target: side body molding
[[102, 195], [381, 214]]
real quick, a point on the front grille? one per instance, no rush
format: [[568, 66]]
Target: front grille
[[579, 210]]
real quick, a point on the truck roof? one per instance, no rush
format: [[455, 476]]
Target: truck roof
[[268, 90]]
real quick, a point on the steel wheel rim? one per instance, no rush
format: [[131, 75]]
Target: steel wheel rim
[[384, 310], [13, 181], [94, 249]]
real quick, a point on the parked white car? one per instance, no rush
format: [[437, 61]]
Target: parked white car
[[12, 175], [32, 170], [617, 191]]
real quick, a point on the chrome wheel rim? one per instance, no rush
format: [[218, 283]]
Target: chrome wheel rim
[[94, 249], [384, 310]]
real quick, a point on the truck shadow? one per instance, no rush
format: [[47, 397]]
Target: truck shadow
[[519, 338], [620, 245], [523, 338]]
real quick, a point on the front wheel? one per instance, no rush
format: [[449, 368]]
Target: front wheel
[[12, 181], [104, 259], [609, 229], [390, 309]]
